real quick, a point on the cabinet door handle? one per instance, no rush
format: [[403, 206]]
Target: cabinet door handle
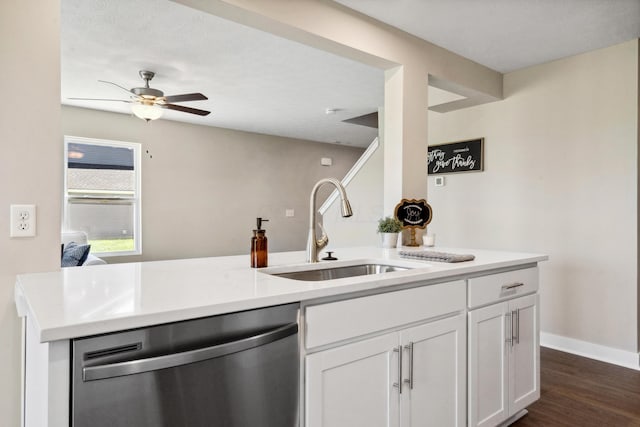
[[514, 327], [398, 385], [509, 325], [410, 379], [517, 314], [512, 286]]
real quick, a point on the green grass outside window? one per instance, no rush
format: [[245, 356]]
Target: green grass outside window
[[111, 245]]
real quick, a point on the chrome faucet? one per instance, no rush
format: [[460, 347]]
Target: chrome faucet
[[315, 245]]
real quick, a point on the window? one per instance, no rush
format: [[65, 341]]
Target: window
[[102, 194]]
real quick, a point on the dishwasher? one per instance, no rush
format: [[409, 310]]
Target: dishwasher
[[233, 370]]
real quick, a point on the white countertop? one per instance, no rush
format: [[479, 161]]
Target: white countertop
[[82, 301]]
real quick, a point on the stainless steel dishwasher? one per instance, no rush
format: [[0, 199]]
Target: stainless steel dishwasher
[[233, 370]]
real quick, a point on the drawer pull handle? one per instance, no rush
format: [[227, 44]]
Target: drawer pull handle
[[512, 286]]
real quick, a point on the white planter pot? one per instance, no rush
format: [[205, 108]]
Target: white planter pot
[[389, 240]]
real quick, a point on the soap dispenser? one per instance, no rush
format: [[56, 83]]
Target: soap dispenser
[[259, 252]]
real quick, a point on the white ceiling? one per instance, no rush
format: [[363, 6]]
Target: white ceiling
[[261, 83], [506, 35], [255, 81]]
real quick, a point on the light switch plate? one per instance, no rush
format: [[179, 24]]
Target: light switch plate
[[22, 221], [439, 181]]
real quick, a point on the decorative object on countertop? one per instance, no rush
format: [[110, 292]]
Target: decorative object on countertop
[[453, 157], [429, 239], [436, 256], [259, 253], [413, 214], [329, 257], [389, 228], [314, 245]]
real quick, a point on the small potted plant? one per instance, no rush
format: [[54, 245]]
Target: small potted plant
[[389, 228]]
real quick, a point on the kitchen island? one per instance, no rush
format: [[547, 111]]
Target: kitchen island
[[79, 302]]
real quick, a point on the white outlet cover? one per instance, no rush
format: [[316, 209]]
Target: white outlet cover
[[22, 221]]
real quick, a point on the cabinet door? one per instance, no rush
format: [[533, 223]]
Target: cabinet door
[[434, 374], [352, 385], [524, 361], [488, 365]]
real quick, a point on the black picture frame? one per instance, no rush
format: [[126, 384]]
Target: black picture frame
[[456, 157]]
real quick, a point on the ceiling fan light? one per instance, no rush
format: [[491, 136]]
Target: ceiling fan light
[[146, 112]]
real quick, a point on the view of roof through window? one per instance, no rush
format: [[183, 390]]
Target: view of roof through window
[[100, 170]]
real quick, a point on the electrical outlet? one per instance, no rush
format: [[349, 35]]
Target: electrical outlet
[[22, 221]]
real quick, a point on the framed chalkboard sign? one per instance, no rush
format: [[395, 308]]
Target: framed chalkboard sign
[[453, 157], [413, 214]]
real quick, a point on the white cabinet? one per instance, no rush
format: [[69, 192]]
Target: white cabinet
[[352, 385], [434, 381], [504, 358], [413, 377]]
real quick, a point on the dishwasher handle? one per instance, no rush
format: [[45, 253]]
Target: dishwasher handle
[[183, 358]]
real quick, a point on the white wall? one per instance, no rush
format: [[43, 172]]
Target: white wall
[[560, 178], [30, 165], [203, 187]]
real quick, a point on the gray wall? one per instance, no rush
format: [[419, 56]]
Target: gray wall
[[203, 187]]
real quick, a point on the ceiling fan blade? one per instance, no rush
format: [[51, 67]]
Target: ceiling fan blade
[[100, 99], [185, 109], [117, 85], [186, 97]]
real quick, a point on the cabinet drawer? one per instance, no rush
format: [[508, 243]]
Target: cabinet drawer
[[502, 286], [341, 320]]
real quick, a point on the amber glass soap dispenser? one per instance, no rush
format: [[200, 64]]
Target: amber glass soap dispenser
[[259, 252]]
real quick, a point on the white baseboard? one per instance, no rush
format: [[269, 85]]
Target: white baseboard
[[627, 359]]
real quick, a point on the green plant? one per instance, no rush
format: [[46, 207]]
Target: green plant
[[389, 225]]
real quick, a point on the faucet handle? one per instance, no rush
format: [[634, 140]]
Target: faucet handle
[[324, 240], [329, 257]]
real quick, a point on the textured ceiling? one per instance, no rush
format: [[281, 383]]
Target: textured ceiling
[[261, 83], [506, 35], [255, 81]]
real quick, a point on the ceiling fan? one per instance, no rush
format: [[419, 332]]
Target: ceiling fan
[[147, 103]]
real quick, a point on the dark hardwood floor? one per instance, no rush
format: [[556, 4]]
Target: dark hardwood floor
[[576, 391]]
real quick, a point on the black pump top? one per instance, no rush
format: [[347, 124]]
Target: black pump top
[[259, 223]]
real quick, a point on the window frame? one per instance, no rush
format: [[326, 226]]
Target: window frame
[[135, 201]]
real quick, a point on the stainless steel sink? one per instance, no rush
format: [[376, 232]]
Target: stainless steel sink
[[340, 272]]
